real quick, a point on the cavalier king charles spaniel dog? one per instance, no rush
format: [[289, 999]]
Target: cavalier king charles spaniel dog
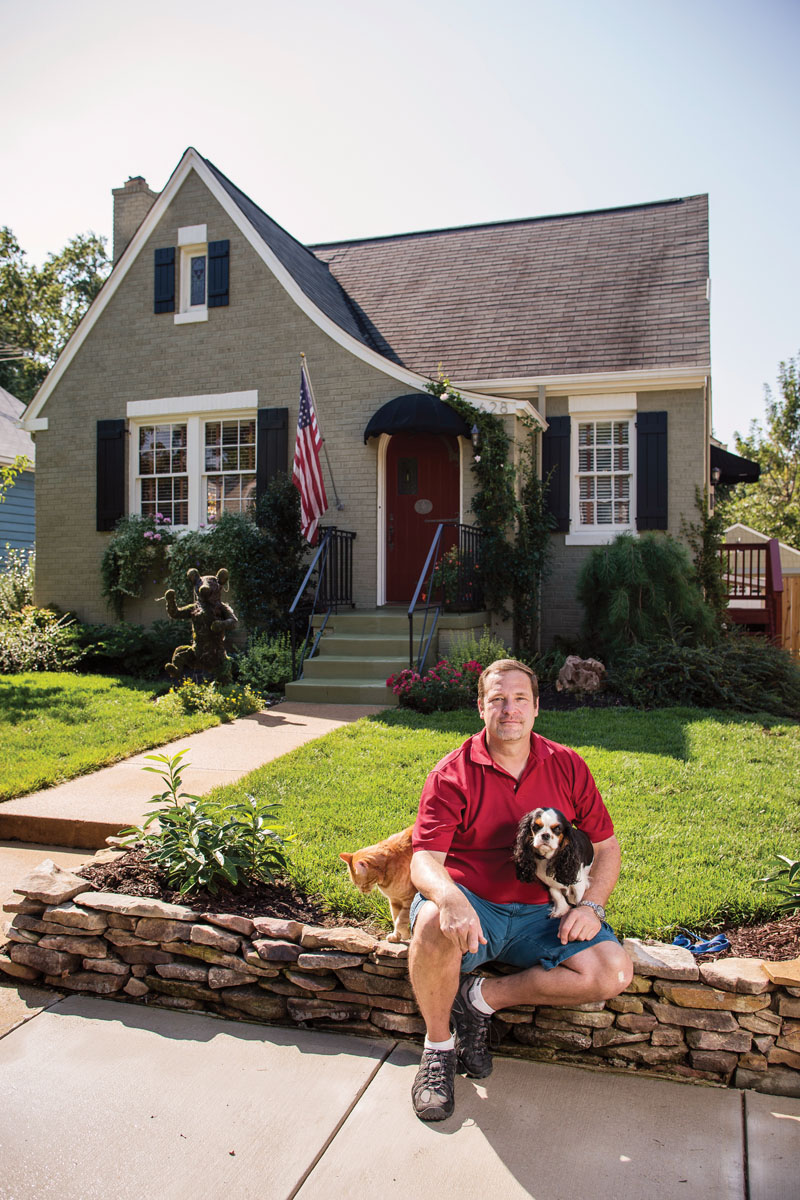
[[549, 848]]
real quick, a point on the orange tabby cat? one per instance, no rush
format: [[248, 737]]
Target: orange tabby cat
[[386, 866]]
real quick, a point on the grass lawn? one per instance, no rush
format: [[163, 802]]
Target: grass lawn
[[54, 726], [701, 801]]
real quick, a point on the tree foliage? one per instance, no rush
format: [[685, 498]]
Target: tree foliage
[[772, 506], [40, 307]]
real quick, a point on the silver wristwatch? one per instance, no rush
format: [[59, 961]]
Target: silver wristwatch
[[599, 911]]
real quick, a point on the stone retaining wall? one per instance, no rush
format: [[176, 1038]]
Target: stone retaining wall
[[724, 1022]]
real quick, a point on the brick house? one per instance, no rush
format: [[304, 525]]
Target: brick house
[[595, 325]]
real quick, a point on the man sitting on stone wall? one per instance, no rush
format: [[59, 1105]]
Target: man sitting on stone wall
[[471, 908]]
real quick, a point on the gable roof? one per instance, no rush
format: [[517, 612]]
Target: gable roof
[[616, 290]]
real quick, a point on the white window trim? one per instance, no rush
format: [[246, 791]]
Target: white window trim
[[618, 407], [192, 241], [192, 411]]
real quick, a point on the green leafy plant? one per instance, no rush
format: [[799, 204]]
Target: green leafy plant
[[228, 701], [16, 580], [469, 647], [705, 539], [790, 872], [266, 664], [196, 846], [37, 639], [128, 649]]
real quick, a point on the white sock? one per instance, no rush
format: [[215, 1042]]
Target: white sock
[[475, 997], [450, 1044]]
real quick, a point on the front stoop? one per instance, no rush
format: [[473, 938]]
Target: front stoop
[[360, 649]]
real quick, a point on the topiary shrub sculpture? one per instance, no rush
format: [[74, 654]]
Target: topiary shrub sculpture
[[211, 619]]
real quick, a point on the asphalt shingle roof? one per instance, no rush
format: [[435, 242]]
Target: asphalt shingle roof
[[620, 289], [614, 290]]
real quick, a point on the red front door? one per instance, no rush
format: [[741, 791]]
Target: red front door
[[422, 487]]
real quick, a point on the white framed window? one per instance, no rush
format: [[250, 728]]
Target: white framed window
[[192, 274], [195, 457], [603, 469]]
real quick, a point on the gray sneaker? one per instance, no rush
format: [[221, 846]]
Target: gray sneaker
[[472, 1034], [434, 1083]]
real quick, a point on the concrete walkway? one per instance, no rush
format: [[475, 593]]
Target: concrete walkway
[[102, 1098]]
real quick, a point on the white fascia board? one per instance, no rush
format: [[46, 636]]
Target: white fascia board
[[659, 379], [178, 406], [192, 161]]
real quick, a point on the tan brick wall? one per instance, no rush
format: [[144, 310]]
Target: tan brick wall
[[133, 354]]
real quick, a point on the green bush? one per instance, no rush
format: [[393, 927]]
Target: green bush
[[124, 649], [266, 664], [740, 672], [137, 549], [640, 590], [483, 649], [16, 580], [37, 639], [228, 701]]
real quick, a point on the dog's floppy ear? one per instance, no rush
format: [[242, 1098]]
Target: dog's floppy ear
[[524, 860]]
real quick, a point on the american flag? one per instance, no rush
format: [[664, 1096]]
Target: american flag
[[306, 471]]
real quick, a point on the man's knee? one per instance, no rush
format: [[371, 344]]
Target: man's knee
[[614, 971]]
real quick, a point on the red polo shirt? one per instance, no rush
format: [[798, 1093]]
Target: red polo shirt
[[470, 809]]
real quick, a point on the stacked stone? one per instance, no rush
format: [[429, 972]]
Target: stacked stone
[[723, 1022]]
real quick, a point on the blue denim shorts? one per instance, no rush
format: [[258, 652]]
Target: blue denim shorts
[[522, 935]]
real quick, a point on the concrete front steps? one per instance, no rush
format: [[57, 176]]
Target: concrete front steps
[[361, 648]]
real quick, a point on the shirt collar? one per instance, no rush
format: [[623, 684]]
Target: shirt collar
[[540, 749]]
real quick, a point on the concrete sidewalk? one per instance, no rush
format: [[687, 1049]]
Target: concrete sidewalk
[[110, 1099], [85, 811]]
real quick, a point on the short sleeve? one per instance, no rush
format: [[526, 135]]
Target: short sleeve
[[591, 814], [441, 811]]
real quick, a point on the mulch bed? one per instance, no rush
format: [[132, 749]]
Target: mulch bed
[[132, 875]]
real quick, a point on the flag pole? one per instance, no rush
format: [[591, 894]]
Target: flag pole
[[304, 363]]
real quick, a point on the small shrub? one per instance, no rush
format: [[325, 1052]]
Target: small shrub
[[125, 649], [198, 848], [137, 549], [640, 590], [266, 664], [466, 647], [741, 672], [37, 639], [227, 701], [442, 689], [547, 666], [16, 580]]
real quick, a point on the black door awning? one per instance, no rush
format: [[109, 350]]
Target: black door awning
[[417, 412], [732, 468]]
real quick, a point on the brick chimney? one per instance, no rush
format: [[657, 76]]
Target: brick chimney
[[132, 203]]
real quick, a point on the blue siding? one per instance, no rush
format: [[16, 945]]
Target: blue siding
[[17, 526]]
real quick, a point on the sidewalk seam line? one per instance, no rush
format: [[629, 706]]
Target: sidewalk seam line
[[745, 1151], [335, 1131]]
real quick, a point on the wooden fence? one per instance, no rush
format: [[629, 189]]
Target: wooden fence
[[790, 615]]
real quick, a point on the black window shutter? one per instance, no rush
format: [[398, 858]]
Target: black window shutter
[[218, 260], [110, 473], [272, 446], [555, 458], [164, 280], [651, 470]]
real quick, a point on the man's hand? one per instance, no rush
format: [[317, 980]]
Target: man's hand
[[459, 923], [578, 925]]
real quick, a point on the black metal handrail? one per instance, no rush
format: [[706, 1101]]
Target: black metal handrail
[[333, 562], [459, 584]]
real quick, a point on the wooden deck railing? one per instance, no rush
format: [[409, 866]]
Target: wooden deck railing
[[752, 571]]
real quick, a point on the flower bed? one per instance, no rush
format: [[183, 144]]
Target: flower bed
[[722, 1022]]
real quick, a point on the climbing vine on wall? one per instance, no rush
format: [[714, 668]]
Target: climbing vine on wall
[[509, 504]]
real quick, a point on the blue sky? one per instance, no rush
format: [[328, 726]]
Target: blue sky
[[357, 118]]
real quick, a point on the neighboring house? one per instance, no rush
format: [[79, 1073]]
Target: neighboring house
[[17, 510], [179, 391]]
